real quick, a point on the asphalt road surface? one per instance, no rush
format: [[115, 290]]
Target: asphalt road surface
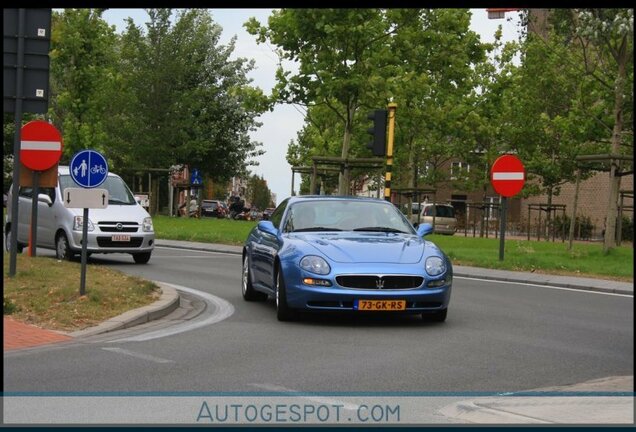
[[499, 337]]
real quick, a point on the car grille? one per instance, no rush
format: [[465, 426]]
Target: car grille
[[126, 227], [348, 305], [380, 282], [108, 242]]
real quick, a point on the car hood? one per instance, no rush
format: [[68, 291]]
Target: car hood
[[114, 212], [366, 247]]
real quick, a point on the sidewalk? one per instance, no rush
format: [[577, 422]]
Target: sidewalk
[[581, 283]]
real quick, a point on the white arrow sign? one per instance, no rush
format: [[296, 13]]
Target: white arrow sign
[[85, 198]]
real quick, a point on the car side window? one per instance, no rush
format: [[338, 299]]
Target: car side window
[[27, 192], [277, 215]]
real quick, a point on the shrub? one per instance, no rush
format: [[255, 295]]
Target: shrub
[[583, 227]]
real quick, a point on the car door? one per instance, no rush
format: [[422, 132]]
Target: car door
[[265, 249], [47, 219]]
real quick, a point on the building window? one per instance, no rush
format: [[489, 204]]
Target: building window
[[459, 170]]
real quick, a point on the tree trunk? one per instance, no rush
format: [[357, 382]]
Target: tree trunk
[[548, 215], [615, 181], [343, 178]]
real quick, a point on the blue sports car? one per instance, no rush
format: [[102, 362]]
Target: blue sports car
[[345, 253]]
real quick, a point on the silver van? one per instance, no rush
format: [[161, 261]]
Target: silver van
[[441, 216], [122, 227]]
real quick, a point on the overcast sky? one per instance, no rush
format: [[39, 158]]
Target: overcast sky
[[281, 125]]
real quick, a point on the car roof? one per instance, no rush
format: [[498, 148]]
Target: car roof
[[64, 170], [301, 198]]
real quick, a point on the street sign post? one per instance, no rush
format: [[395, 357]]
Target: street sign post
[[89, 169], [507, 177], [40, 150]]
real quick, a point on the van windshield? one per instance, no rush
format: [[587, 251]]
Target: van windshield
[[118, 192], [441, 211]]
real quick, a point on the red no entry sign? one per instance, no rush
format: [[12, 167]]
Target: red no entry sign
[[507, 175], [40, 145]]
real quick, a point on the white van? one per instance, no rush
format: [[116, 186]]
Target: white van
[[122, 227]]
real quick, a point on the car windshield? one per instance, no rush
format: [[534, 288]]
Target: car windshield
[[441, 211], [118, 192], [206, 204], [346, 215]]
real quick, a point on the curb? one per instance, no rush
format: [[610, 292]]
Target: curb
[[545, 283], [167, 303]]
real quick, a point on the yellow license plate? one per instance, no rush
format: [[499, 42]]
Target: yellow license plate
[[379, 305], [120, 237]]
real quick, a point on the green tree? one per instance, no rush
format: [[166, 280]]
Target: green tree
[[185, 100], [82, 60], [258, 193], [342, 55], [571, 96]]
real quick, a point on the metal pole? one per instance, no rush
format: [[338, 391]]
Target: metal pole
[[502, 235], [84, 252], [389, 152], [34, 215], [529, 218], [619, 226], [312, 180], [16, 146], [292, 183]]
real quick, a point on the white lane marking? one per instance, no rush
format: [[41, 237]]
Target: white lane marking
[[319, 399], [543, 286], [222, 310], [138, 355], [507, 176]]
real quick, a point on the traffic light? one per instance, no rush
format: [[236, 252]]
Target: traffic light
[[378, 145]]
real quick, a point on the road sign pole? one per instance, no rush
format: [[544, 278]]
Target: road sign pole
[[16, 145], [84, 252], [502, 228], [33, 243]]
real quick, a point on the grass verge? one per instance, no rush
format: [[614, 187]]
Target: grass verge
[[45, 292], [585, 259]]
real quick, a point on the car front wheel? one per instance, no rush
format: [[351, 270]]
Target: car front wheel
[[142, 258], [62, 248], [283, 311], [249, 293], [7, 242]]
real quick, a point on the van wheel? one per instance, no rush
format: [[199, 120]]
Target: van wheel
[[62, 249], [142, 258], [7, 242]]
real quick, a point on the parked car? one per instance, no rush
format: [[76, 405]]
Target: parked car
[[441, 216], [123, 227], [213, 208], [345, 254]]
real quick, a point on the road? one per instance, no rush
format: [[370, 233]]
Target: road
[[499, 337]]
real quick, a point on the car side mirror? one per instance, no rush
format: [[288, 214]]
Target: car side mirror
[[44, 198], [268, 227], [424, 229]]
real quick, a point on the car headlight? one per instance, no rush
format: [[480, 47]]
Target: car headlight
[[78, 222], [315, 264], [435, 266], [147, 225]]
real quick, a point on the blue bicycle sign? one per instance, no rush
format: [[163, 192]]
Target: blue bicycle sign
[[88, 168]]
